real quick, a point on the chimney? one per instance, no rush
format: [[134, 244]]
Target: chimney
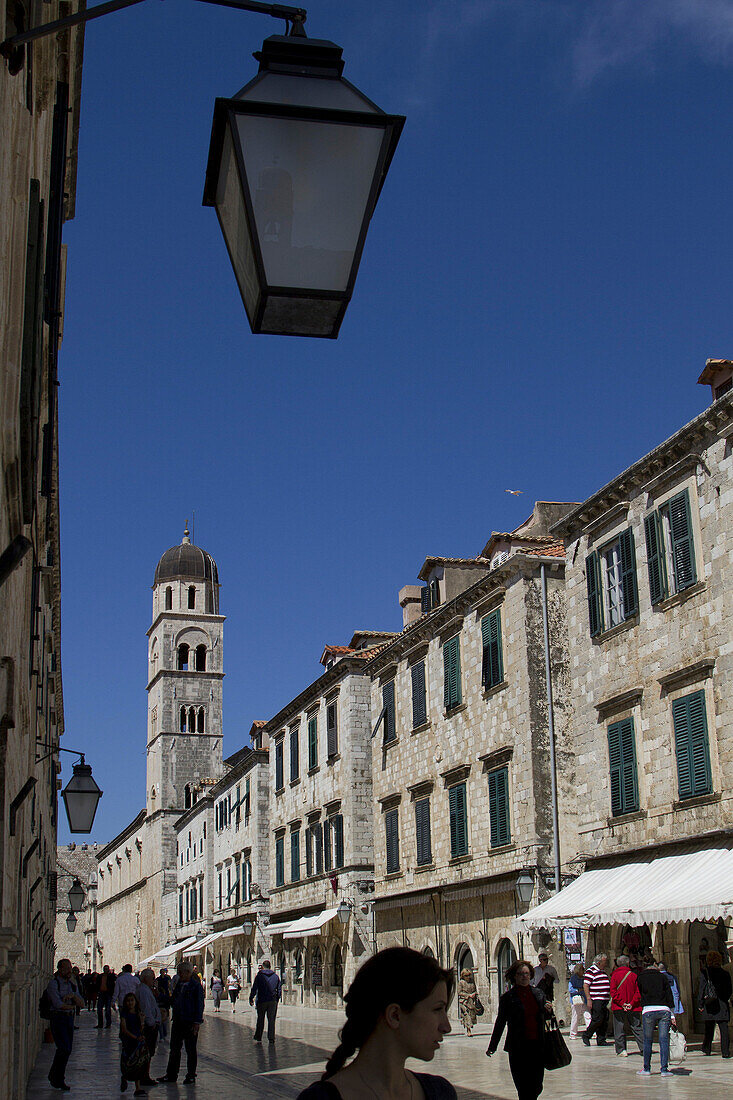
[[718, 374], [410, 602]]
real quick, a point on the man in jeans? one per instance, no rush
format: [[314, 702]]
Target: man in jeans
[[597, 995], [64, 999], [187, 1011], [266, 988]]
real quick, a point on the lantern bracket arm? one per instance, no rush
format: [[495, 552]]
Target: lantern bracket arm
[[52, 752], [294, 17]]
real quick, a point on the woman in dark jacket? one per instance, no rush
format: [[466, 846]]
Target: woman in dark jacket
[[523, 1011], [715, 1011]]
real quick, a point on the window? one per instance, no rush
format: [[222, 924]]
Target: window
[[314, 849], [294, 753], [622, 760], [247, 875], [187, 803], [392, 838], [279, 777], [452, 673], [430, 596], [492, 663], [390, 731], [422, 831], [183, 658], [419, 695], [337, 828], [327, 856], [191, 720], [499, 807], [200, 720], [280, 861], [183, 720], [670, 548], [228, 900], [458, 821], [180, 906], [610, 575], [191, 596], [691, 745], [169, 598], [295, 855], [332, 741], [313, 742], [201, 658], [247, 799]]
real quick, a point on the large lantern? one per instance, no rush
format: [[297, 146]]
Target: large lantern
[[296, 163], [81, 795]]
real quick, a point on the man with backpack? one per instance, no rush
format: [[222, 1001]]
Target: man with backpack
[[266, 988], [59, 1004]]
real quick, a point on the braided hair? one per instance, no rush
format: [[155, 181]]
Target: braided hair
[[397, 975]]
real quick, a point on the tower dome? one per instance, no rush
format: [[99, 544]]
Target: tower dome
[[186, 562]]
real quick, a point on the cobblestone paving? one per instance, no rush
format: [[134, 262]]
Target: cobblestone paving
[[232, 1066]]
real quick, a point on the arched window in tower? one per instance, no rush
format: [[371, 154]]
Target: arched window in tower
[[183, 723], [169, 598], [200, 722], [201, 658], [183, 657], [191, 720], [187, 802], [191, 596]]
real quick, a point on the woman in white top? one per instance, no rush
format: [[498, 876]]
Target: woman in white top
[[233, 988]]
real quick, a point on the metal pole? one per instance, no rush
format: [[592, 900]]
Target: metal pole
[[551, 729]]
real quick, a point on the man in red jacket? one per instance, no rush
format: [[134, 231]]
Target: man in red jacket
[[625, 1006]]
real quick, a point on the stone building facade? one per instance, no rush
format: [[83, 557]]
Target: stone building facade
[[649, 573], [77, 863], [321, 839], [460, 763], [138, 872], [40, 91]]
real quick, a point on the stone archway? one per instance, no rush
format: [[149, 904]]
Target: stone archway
[[505, 956]]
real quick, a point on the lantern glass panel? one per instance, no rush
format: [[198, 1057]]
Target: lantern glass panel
[[81, 796], [233, 221]]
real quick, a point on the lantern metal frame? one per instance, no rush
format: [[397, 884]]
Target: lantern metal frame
[[71, 921]]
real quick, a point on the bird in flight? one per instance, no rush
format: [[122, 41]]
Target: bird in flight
[[514, 492]]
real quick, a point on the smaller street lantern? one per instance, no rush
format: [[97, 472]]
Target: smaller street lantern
[[296, 164], [81, 796], [247, 926], [71, 922], [344, 912], [525, 887], [76, 896]]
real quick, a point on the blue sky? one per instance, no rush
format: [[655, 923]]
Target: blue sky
[[546, 272]]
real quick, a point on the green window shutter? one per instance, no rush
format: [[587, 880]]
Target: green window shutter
[[295, 855], [279, 778], [629, 586], [622, 763], [419, 699], [458, 820], [294, 755], [451, 673], [318, 833], [309, 851], [327, 861], [392, 837], [390, 731], [595, 603], [422, 831], [312, 742], [499, 807], [337, 823], [655, 557], [279, 862], [492, 669], [683, 548], [691, 745]]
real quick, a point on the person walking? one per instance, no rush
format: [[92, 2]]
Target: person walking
[[522, 1010], [187, 1011], [134, 1060], [91, 991], [715, 1010], [127, 982], [545, 976], [467, 1000], [104, 997], [656, 1011], [625, 1006], [597, 986], [396, 1008], [267, 989], [578, 1007], [163, 993], [64, 998], [233, 988], [217, 988], [151, 1015]]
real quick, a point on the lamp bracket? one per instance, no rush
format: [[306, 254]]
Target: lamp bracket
[[52, 752]]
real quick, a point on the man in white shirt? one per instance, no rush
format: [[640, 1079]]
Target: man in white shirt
[[63, 1000], [126, 983], [151, 1012]]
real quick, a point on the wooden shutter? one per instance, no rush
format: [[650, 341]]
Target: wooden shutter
[[458, 821], [295, 855], [312, 742], [327, 861], [655, 557], [451, 673], [337, 823], [309, 851], [424, 600], [318, 831], [390, 732], [492, 669], [499, 807], [331, 730], [279, 862], [622, 763], [279, 777], [683, 548], [422, 831], [419, 701], [392, 837], [595, 600], [629, 586], [691, 745], [294, 754]]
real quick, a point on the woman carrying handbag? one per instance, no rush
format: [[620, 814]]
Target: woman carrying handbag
[[524, 1012]]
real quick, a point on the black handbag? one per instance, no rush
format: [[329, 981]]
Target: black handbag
[[555, 1052], [478, 1007]]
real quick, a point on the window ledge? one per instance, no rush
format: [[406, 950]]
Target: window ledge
[[460, 859], [452, 711], [619, 628], [390, 744], [500, 849], [488, 693], [420, 868], [295, 782], [390, 875], [332, 759], [314, 770], [279, 790], [697, 800], [422, 727], [621, 819], [680, 597]]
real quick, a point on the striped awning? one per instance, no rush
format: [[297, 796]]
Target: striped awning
[[665, 889]]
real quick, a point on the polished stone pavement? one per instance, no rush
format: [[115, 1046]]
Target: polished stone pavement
[[232, 1065]]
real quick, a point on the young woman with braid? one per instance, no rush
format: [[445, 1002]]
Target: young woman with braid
[[396, 1008]]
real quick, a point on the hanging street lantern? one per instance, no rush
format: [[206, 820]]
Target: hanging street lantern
[[524, 887], [81, 796], [247, 926], [76, 896], [296, 164], [71, 922], [344, 912]]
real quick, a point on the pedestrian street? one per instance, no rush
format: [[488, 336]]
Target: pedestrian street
[[232, 1065]]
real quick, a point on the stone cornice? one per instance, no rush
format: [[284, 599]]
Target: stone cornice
[[128, 831], [181, 674], [182, 617], [625, 700], [310, 696], [122, 893], [683, 444], [690, 674]]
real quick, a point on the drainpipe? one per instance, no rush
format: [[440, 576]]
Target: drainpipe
[[551, 728]]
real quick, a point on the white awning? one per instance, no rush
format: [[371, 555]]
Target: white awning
[[170, 951], [667, 889], [278, 929], [309, 926], [195, 948]]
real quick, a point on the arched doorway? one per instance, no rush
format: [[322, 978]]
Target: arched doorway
[[429, 952], [505, 957], [464, 961]]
